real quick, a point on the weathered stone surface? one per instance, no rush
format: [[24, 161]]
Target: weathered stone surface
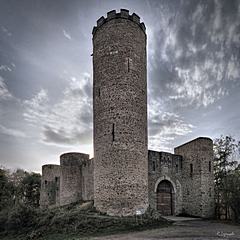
[[165, 166], [71, 179], [198, 183], [87, 180], [50, 184], [120, 115]]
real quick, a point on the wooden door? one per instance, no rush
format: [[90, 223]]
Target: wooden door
[[164, 198]]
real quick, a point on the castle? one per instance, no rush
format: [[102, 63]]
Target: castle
[[125, 178]]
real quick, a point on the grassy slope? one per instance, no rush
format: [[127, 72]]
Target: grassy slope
[[80, 221]]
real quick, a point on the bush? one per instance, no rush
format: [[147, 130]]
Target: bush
[[21, 217]]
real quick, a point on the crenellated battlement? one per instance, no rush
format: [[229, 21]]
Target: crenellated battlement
[[124, 13]]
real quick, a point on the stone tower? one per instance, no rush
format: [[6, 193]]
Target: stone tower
[[71, 188], [120, 114], [50, 184], [198, 178]]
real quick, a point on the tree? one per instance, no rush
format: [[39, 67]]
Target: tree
[[6, 190], [233, 180], [226, 153], [30, 189], [19, 187]]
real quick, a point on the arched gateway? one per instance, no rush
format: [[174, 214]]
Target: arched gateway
[[165, 198]]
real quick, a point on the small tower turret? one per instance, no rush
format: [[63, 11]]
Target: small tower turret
[[198, 179]]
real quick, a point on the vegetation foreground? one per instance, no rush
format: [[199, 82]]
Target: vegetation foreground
[[76, 221]]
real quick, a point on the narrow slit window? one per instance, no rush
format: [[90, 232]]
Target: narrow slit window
[[99, 92], [113, 132], [154, 166], [209, 166], [191, 169], [128, 66]]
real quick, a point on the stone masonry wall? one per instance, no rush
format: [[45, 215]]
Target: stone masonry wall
[[71, 177], [120, 114], [198, 180], [87, 180], [165, 166], [50, 182]]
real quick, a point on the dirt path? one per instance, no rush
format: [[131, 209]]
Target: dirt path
[[184, 230]]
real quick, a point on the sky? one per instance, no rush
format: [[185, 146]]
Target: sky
[[193, 71]]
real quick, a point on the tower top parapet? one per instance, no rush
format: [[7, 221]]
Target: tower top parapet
[[73, 159], [124, 13]]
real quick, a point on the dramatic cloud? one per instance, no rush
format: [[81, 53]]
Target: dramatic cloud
[[195, 61], [164, 127], [46, 96], [68, 121]]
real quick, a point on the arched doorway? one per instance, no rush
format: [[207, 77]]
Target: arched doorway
[[165, 198]]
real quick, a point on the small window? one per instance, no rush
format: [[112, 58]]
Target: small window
[[176, 168], [99, 92], [129, 64], [191, 169], [180, 163], [209, 166], [45, 182], [154, 166], [113, 132], [56, 179]]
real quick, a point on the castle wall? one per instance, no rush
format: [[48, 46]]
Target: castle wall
[[50, 183], [165, 166], [198, 179], [120, 114], [87, 180], [71, 188]]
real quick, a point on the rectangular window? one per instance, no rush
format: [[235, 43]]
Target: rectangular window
[[128, 67], [99, 93], [176, 168]]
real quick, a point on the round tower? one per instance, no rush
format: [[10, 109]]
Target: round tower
[[120, 114], [71, 177], [50, 181]]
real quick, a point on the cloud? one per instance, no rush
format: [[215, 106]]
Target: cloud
[[11, 132], [5, 68], [4, 92], [67, 35], [6, 31], [164, 127], [68, 121], [195, 62]]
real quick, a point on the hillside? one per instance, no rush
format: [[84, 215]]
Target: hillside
[[76, 221]]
